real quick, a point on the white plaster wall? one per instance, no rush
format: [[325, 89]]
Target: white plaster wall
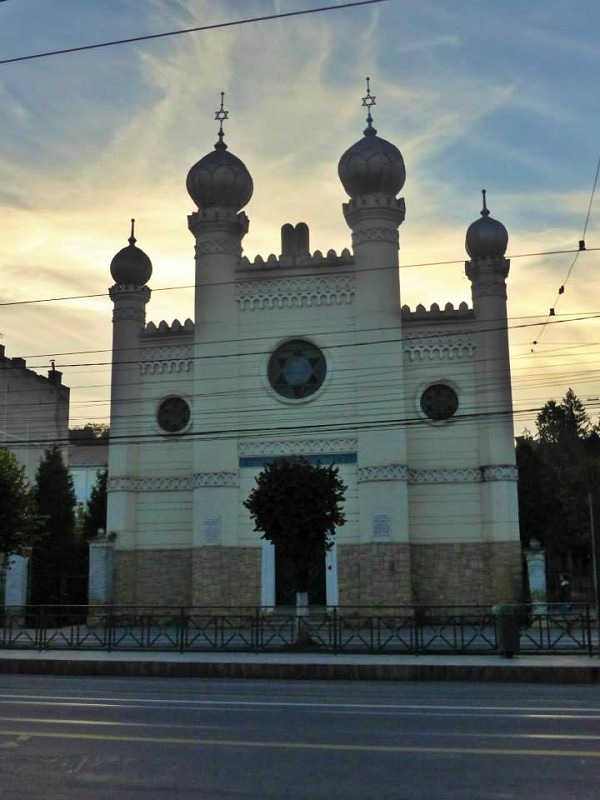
[[448, 512]]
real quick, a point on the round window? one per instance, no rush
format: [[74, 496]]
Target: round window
[[297, 369], [439, 402], [173, 414]]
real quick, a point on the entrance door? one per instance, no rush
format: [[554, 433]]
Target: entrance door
[[285, 594]]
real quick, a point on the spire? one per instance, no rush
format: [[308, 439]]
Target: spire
[[368, 101], [220, 115], [132, 240]]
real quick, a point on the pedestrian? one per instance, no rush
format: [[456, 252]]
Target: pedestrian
[[564, 593]]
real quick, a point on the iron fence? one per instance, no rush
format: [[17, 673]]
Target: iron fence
[[393, 630]]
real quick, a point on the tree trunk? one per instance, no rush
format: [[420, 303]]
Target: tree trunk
[[302, 633]]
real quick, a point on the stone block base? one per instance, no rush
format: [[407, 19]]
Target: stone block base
[[216, 576], [226, 576], [153, 577], [480, 573], [374, 574]]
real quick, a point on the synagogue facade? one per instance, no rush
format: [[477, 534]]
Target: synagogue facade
[[313, 354]]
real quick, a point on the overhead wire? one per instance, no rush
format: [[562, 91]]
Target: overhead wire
[[581, 249], [197, 29]]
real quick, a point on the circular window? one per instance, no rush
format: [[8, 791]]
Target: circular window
[[173, 414], [297, 369], [439, 402]]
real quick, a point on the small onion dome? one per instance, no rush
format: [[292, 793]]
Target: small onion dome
[[131, 266], [371, 166], [486, 237], [220, 179]]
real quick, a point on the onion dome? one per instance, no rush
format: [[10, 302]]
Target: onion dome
[[131, 266], [220, 179], [486, 237], [372, 165]]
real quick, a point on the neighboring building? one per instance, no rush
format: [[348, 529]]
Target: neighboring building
[[313, 354], [86, 462], [34, 411]]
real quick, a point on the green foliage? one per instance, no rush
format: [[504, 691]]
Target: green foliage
[[59, 553], [297, 506], [95, 512], [555, 477], [90, 433], [19, 522]]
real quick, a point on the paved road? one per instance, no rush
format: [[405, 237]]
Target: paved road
[[86, 738]]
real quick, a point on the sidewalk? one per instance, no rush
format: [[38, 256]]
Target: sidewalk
[[305, 666]]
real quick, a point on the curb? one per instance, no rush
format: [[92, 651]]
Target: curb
[[492, 673]]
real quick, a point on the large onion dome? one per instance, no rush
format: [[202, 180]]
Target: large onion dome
[[131, 266], [220, 179], [372, 165], [486, 237]]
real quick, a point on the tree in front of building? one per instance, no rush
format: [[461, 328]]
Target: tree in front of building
[[19, 522], [298, 506], [94, 518], [556, 478], [59, 560]]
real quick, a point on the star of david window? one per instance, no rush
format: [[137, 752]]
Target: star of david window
[[173, 414], [439, 402], [297, 369]]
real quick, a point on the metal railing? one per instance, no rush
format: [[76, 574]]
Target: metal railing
[[394, 630]]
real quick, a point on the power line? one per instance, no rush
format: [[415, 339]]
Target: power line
[[582, 248], [215, 26], [270, 276]]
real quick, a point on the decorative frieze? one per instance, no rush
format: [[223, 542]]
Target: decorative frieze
[[387, 472], [180, 484], [166, 360], [295, 292], [298, 447], [226, 246], [451, 347], [377, 233], [155, 484], [216, 479], [506, 472], [137, 313], [502, 472]]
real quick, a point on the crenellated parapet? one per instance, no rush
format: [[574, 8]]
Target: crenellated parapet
[[164, 329], [435, 313], [316, 259]]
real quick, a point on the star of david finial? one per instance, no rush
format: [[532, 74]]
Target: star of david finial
[[484, 211], [368, 101], [221, 115]]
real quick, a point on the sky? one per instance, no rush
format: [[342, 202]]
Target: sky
[[502, 96]]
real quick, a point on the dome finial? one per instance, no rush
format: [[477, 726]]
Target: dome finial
[[132, 240], [220, 115], [368, 101], [484, 211]]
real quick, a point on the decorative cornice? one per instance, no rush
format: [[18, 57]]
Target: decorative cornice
[[166, 360], [488, 277], [451, 347], [295, 292], [297, 448], [388, 472]]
